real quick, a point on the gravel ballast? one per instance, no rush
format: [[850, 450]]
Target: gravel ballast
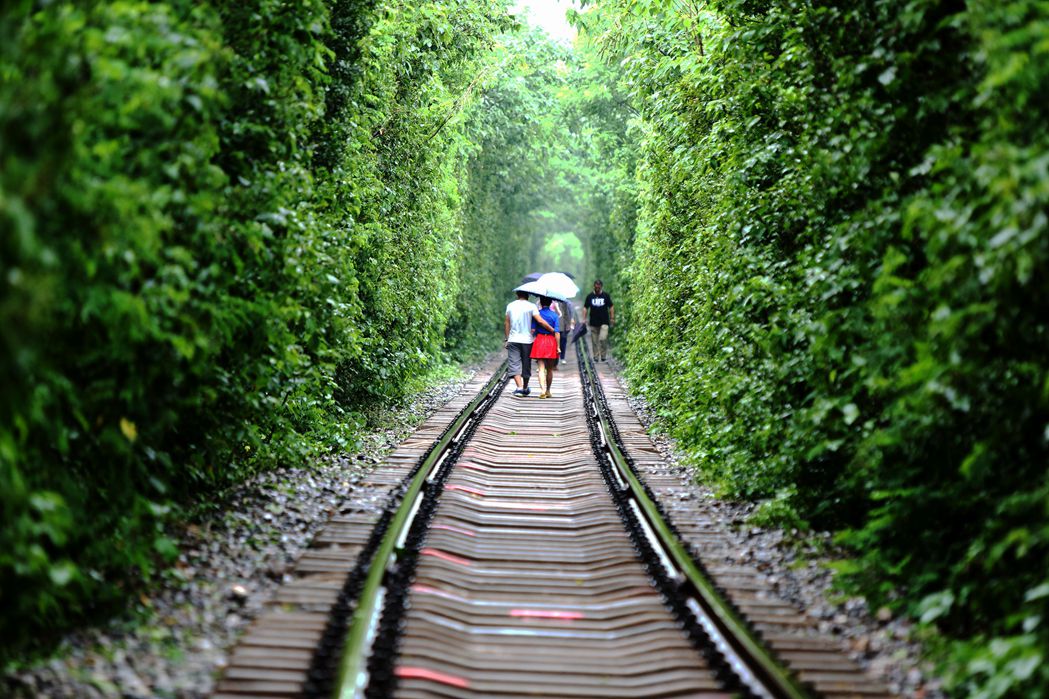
[[799, 571], [230, 564]]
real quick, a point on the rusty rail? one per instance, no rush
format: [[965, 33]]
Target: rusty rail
[[353, 675], [522, 552], [742, 651]]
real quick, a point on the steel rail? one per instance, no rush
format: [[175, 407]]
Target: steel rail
[[756, 668], [352, 677]]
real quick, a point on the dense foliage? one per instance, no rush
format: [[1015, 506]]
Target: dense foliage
[[513, 136], [597, 117], [225, 227], [839, 286]]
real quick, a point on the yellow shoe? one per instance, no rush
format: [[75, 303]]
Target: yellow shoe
[[544, 395]]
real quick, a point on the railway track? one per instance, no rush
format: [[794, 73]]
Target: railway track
[[522, 551]]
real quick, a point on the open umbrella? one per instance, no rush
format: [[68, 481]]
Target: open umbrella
[[535, 275], [560, 283], [538, 289]]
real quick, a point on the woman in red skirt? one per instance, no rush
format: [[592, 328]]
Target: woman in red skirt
[[546, 345]]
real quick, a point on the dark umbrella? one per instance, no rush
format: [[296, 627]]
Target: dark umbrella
[[578, 331]]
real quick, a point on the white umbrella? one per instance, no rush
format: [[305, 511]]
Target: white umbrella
[[559, 283], [541, 290]]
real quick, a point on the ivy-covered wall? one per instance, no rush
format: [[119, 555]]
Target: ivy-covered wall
[[839, 287]]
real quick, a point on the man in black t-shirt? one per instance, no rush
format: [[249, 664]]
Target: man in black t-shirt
[[599, 314]]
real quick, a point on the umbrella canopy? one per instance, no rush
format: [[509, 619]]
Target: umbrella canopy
[[559, 282], [537, 289], [577, 332], [535, 275]]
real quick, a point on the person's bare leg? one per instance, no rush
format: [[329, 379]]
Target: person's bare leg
[[518, 381], [550, 374], [542, 378]]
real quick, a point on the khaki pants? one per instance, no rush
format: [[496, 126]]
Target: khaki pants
[[599, 338]]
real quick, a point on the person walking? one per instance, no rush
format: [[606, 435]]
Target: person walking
[[517, 326], [599, 314], [567, 318], [546, 346]]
